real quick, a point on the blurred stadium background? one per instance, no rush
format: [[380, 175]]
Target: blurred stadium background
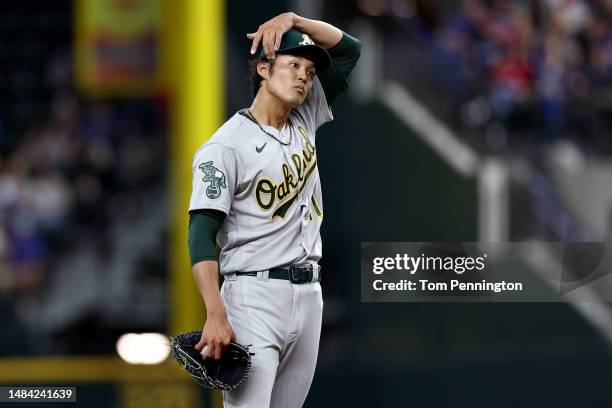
[[473, 120]]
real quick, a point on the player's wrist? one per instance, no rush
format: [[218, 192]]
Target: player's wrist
[[216, 311], [296, 21]]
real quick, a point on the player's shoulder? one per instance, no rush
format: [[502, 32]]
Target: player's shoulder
[[228, 135]]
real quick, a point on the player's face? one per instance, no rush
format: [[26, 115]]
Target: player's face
[[291, 79]]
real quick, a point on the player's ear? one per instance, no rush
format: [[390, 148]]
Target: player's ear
[[263, 69]]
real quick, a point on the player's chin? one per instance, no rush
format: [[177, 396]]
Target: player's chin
[[294, 102], [297, 99]]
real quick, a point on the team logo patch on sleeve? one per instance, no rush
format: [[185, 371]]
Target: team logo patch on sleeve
[[215, 177]]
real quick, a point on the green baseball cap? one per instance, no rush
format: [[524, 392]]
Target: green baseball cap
[[296, 43]]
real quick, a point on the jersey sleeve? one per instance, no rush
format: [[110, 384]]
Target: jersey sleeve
[[214, 178], [315, 109], [344, 56]]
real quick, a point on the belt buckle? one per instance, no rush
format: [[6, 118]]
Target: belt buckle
[[294, 274]]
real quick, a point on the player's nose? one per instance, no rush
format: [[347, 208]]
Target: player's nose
[[302, 75]]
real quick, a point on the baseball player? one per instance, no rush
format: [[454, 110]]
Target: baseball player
[[256, 190]]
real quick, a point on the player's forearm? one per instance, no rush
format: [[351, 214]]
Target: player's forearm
[[322, 33], [206, 275]]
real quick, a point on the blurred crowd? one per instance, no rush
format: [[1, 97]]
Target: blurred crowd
[[535, 62], [61, 184], [541, 65], [77, 173]]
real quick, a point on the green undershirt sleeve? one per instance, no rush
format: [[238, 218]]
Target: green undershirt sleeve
[[344, 56], [203, 228]]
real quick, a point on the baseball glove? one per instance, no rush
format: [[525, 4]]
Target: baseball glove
[[227, 373]]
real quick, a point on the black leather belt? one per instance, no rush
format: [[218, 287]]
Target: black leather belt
[[295, 274]]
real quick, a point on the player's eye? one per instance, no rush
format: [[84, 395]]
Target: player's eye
[[311, 74]]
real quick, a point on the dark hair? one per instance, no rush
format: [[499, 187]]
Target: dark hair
[[254, 75]]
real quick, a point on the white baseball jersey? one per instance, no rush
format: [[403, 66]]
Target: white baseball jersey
[[268, 186]]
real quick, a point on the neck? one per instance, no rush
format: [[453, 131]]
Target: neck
[[269, 111]]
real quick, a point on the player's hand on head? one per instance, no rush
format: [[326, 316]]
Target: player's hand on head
[[270, 34], [216, 336]]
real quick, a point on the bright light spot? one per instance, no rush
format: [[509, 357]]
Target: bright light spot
[[144, 348]]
